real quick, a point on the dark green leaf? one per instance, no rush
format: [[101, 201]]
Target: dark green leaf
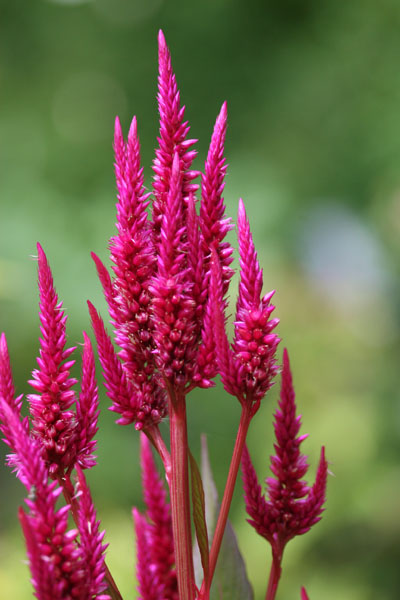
[[199, 514]]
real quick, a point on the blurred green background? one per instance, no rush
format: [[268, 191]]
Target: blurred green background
[[313, 145]]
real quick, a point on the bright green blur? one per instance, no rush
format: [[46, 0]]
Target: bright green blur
[[313, 146]]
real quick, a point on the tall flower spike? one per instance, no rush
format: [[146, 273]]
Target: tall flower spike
[[214, 224], [87, 409], [254, 343], [293, 507], [91, 541], [7, 393], [7, 389], [215, 320], [303, 593], [55, 560], [134, 262], [118, 389], [172, 138], [214, 227], [159, 528], [149, 587], [52, 422], [173, 306]]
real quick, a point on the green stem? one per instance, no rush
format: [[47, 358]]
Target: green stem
[[228, 493], [179, 492], [68, 491]]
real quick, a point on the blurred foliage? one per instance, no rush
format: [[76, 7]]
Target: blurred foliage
[[313, 90]]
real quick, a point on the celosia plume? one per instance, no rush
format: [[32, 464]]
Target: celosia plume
[[293, 507], [51, 419], [56, 561], [172, 139]]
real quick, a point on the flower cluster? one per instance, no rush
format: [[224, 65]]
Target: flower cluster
[[167, 301], [293, 506]]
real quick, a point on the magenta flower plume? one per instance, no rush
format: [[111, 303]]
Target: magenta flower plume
[[248, 368], [7, 393], [91, 541], [87, 409], [149, 586], [255, 343], [127, 295], [159, 524], [174, 316], [52, 422], [214, 224], [214, 227], [293, 507], [172, 139], [303, 593], [118, 388], [55, 560]]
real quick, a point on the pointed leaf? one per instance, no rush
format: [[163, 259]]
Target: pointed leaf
[[230, 580], [199, 514]]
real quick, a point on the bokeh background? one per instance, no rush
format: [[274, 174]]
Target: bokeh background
[[313, 91]]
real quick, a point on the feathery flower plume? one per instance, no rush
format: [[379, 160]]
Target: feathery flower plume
[[127, 295], [149, 587], [52, 422], [293, 507], [214, 224], [91, 541], [118, 388], [214, 227], [173, 305], [87, 409], [172, 139], [246, 369], [159, 524], [7, 393], [304, 595], [58, 571]]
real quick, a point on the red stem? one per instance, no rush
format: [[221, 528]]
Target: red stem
[[179, 493], [155, 437], [68, 491], [228, 493], [274, 576]]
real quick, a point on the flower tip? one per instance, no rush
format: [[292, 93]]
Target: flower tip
[[162, 44], [117, 128], [132, 135], [304, 595], [241, 210], [41, 253]]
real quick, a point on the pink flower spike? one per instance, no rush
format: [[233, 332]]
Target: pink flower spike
[[149, 588], [303, 594], [293, 507], [173, 307], [172, 138], [55, 559], [87, 409], [118, 390], [52, 422], [224, 354], [91, 539], [255, 343], [214, 224], [7, 389], [159, 528], [106, 283], [7, 393]]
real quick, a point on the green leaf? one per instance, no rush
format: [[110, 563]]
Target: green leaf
[[230, 580], [199, 514]]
